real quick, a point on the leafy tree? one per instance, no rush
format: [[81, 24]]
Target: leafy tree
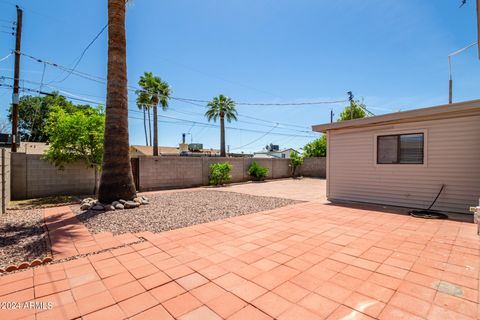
[[154, 91], [295, 161], [224, 108], [76, 136], [33, 112], [357, 108], [316, 148], [116, 181]]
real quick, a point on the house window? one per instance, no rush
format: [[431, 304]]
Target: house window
[[400, 149]]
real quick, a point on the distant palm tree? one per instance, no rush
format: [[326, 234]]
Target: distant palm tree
[[224, 108], [142, 104], [116, 181], [156, 91]]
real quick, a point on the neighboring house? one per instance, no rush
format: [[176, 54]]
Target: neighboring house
[[403, 158], [137, 151], [283, 154], [29, 147]]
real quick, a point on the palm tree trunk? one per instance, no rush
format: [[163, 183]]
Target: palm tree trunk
[[145, 126], [116, 181], [155, 131], [149, 127], [222, 137]]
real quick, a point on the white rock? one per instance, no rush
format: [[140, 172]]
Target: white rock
[[109, 207], [119, 206], [131, 204]]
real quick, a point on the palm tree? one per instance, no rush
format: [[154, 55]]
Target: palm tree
[[157, 91], [116, 181], [221, 107], [142, 103]]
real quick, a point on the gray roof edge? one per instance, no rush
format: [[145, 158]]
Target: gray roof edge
[[402, 115]]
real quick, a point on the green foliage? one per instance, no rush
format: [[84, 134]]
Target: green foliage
[[75, 136], [154, 90], [220, 173], [34, 111], [316, 148], [257, 172], [220, 107], [295, 161], [358, 109]]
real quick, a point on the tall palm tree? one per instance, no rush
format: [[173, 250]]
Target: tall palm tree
[[116, 181], [142, 104], [224, 108], [156, 91]]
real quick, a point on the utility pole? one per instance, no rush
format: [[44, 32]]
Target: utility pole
[[16, 79], [350, 98], [331, 115], [450, 79]]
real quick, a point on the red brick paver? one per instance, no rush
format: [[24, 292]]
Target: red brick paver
[[306, 261]]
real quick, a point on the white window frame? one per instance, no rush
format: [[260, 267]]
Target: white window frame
[[401, 132]]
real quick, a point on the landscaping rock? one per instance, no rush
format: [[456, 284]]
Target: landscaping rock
[[131, 204], [36, 262], [85, 206], [47, 260], [10, 268], [98, 207], [122, 201], [109, 207], [114, 203], [23, 265], [119, 206], [144, 202], [138, 200]]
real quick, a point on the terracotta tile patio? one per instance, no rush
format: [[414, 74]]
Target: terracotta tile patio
[[306, 261]]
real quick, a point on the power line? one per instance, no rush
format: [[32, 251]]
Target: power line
[[255, 140], [82, 54]]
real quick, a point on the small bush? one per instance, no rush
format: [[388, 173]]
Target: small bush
[[220, 173], [257, 172], [295, 161]]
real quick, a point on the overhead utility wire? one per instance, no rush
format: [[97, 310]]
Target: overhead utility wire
[[255, 140], [82, 54], [168, 117], [134, 89]]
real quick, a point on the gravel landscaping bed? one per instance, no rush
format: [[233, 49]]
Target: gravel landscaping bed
[[173, 210], [22, 237]]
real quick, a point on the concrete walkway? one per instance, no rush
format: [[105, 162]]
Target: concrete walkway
[[306, 261], [306, 189]]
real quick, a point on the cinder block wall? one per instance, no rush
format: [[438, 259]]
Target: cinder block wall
[[313, 167], [4, 179], [33, 177], [158, 173]]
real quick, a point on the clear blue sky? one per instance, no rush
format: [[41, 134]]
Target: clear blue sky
[[391, 53]]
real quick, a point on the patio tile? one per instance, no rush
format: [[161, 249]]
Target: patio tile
[[137, 304], [207, 292], [200, 314], [410, 304], [455, 304], [418, 291], [318, 304], [248, 291], [155, 313], [111, 313], [154, 280], [297, 312], [376, 291], [364, 304], [88, 289], [167, 291], [126, 291], [343, 312], [291, 291], [396, 313], [249, 313], [226, 304], [192, 281], [272, 304], [181, 304], [178, 271], [95, 302]]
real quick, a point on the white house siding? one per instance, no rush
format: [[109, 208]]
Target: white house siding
[[452, 157]]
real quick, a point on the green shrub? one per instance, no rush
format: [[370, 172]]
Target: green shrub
[[257, 172], [295, 161], [220, 173]]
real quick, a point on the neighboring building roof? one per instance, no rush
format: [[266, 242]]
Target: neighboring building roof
[[148, 150], [439, 112]]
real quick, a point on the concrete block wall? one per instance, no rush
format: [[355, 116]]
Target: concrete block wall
[[33, 177], [158, 173], [4, 179], [313, 167]]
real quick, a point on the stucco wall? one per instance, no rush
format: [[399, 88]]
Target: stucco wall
[[34, 178], [452, 153]]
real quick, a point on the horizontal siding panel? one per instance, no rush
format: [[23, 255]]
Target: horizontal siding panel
[[452, 158]]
